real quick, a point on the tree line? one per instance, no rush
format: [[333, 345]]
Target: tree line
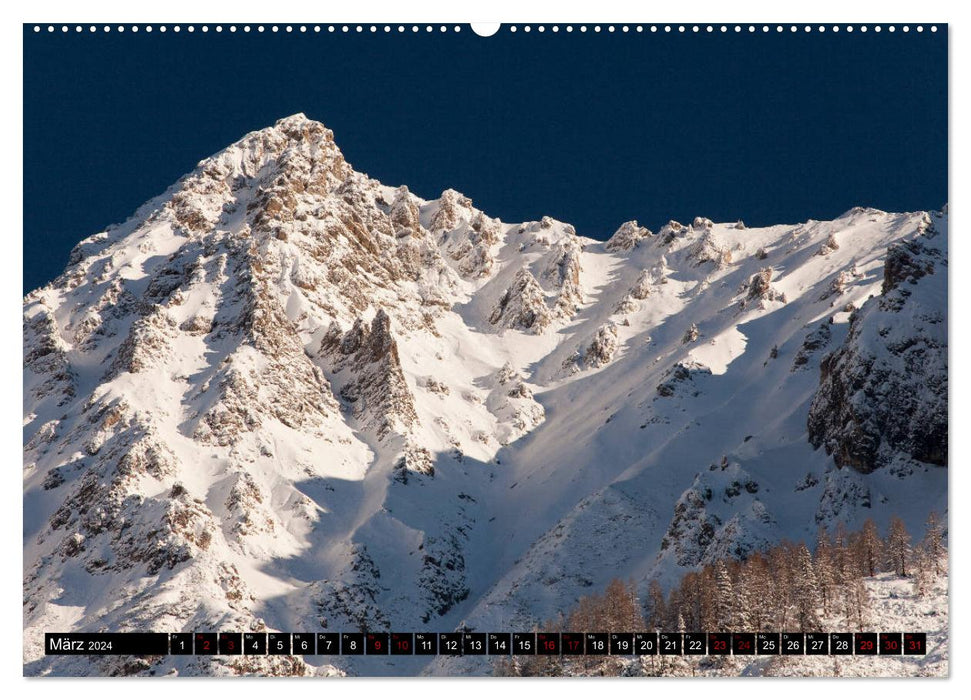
[[786, 587]]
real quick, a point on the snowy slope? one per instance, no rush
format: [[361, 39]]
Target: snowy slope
[[283, 395]]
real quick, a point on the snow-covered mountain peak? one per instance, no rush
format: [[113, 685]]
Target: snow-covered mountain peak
[[298, 384]]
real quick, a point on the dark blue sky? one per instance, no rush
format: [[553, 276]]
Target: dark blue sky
[[593, 129]]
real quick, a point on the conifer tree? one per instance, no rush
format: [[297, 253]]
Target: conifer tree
[[898, 546], [858, 603], [824, 568], [656, 610], [840, 553], [921, 571], [781, 591], [741, 603], [724, 598], [869, 548], [933, 543], [623, 611], [757, 591], [806, 591]]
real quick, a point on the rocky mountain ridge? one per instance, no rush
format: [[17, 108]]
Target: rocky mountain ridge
[[312, 399]]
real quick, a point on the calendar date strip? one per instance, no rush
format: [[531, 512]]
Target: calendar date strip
[[486, 643]]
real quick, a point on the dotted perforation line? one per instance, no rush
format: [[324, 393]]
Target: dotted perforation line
[[512, 28], [719, 28], [248, 28]]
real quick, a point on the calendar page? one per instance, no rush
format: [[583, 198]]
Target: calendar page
[[524, 349]]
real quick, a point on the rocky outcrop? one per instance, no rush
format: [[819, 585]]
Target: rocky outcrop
[[442, 579], [511, 402], [719, 516], [626, 237], [351, 600], [817, 339], [146, 344], [682, 380], [45, 357], [522, 306], [602, 348], [759, 290], [840, 283], [563, 273], [908, 261], [829, 246], [269, 375], [404, 214], [474, 249], [707, 249], [452, 207], [467, 236], [600, 351], [365, 358], [671, 231], [626, 305], [690, 335], [883, 393]]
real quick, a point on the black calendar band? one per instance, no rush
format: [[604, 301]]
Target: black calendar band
[[485, 644], [104, 644]]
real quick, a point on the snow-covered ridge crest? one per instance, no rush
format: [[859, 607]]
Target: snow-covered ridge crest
[[317, 399]]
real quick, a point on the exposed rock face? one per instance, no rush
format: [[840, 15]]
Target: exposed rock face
[[883, 392], [599, 352], [908, 261], [690, 335], [707, 249], [816, 340], [405, 214], [268, 375], [443, 578], [642, 288], [682, 380], [626, 305], [352, 601], [844, 492], [452, 208], [838, 286], [669, 232], [563, 273], [720, 516], [469, 237], [147, 342], [760, 289], [231, 310], [46, 358], [522, 306], [511, 402], [376, 386], [107, 526], [830, 245], [603, 346], [626, 237]]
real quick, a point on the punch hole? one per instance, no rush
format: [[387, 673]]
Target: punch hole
[[485, 29]]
